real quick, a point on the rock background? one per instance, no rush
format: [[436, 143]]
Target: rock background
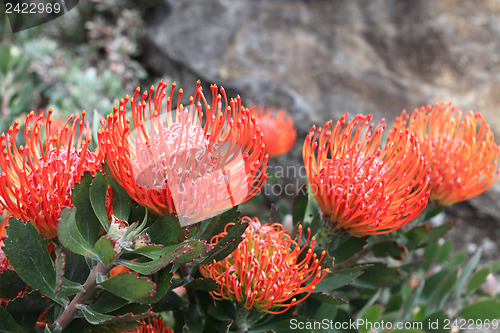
[[322, 58]]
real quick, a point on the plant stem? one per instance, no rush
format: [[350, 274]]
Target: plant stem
[[241, 319], [90, 285]]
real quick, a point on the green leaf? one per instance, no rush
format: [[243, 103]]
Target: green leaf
[[326, 298], [76, 267], [371, 316], [458, 259], [198, 248], [294, 324], [495, 267], [431, 251], [410, 301], [171, 301], [207, 229], [347, 246], [108, 302], [204, 284], [431, 283], [81, 325], [300, 205], [59, 264], [445, 251], [70, 236], [435, 323], [394, 303], [380, 275], [416, 235], [227, 244], [93, 317], [105, 249], [469, 268], [162, 283], [477, 279], [28, 254], [482, 310], [10, 284], [8, 324], [438, 232], [321, 311], [442, 291], [129, 286], [26, 309], [339, 278], [151, 251], [391, 248], [167, 231], [121, 200], [193, 320], [223, 310], [87, 222], [150, 267], [429, 212], [98, 199], [345, 319], [69, 288], [4, 58]]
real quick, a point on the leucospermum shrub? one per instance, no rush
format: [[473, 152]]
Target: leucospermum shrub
[[140, 231]]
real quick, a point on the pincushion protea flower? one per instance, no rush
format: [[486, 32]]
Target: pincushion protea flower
[[37, 179], [461, 152], [361, 188], [277, 127], [268, 270], [194, 161], [153, 324]]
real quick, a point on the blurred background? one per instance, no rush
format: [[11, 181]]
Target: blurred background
[[316, 58]]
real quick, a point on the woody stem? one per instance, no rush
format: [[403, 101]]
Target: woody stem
[[89, 286]]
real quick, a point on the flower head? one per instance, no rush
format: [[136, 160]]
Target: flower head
[[37, 179], [362, 188], [277, 127], [268, 269], [153, 324], [461, 152], [194, 161]]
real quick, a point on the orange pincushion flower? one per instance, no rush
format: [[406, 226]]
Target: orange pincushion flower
[[277, 127], [37, 179], [265, 272], [153, 324], [461, 152], [194, 161], [361, 188]]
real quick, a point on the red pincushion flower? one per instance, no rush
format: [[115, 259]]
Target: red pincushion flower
[[461, 152], [37, 179], [268, 269], [277, 127], [361, 188], [153, 324], [195, 161]]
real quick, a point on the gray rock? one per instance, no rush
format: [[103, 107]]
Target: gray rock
[[322, 58]]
